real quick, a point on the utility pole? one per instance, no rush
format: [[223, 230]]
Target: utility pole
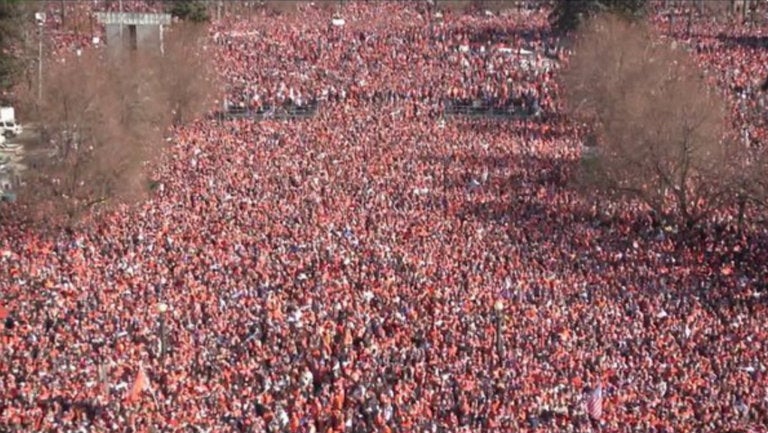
[[40, 18], [162, 44], [121, 21], [40, 62]]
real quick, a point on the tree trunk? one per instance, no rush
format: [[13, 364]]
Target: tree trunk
[[61, 12], [744, 6], [690, 21], [742, 209]]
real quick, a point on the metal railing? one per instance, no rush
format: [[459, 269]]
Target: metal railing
[[488, 110], [295, 112], [284, 112]]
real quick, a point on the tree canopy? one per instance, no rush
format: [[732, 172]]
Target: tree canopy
[[105, 116], [569, 14], [188, 10], [658, 130], [10, 31]]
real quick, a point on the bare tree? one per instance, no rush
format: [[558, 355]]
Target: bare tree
[[189, 82], [453, 5], [287, 7], [105, 116], [658, 128], [476, 5]]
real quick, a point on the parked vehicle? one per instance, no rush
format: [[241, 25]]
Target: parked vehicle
[[6, 146], [8, 183], [10, 126]]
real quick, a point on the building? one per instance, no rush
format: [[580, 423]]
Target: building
[[134, 30]]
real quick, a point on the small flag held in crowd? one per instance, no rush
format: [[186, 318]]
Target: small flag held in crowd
[[140, 385], [595, 403]]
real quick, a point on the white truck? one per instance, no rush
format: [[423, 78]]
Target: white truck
[[10, 126]]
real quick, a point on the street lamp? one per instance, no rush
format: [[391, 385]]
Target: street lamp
[[498, 308], [162, 308], [40, 19], [441, 126], [446, 161]]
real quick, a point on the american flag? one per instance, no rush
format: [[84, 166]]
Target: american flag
[[595, 403]]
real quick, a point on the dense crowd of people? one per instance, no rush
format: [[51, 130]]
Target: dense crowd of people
[[735, 53], [380, 267], [416, 57]]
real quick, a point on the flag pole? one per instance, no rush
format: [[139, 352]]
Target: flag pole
[[149, 385], [154, 398]]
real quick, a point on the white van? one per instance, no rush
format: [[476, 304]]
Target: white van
[[10, 127]]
